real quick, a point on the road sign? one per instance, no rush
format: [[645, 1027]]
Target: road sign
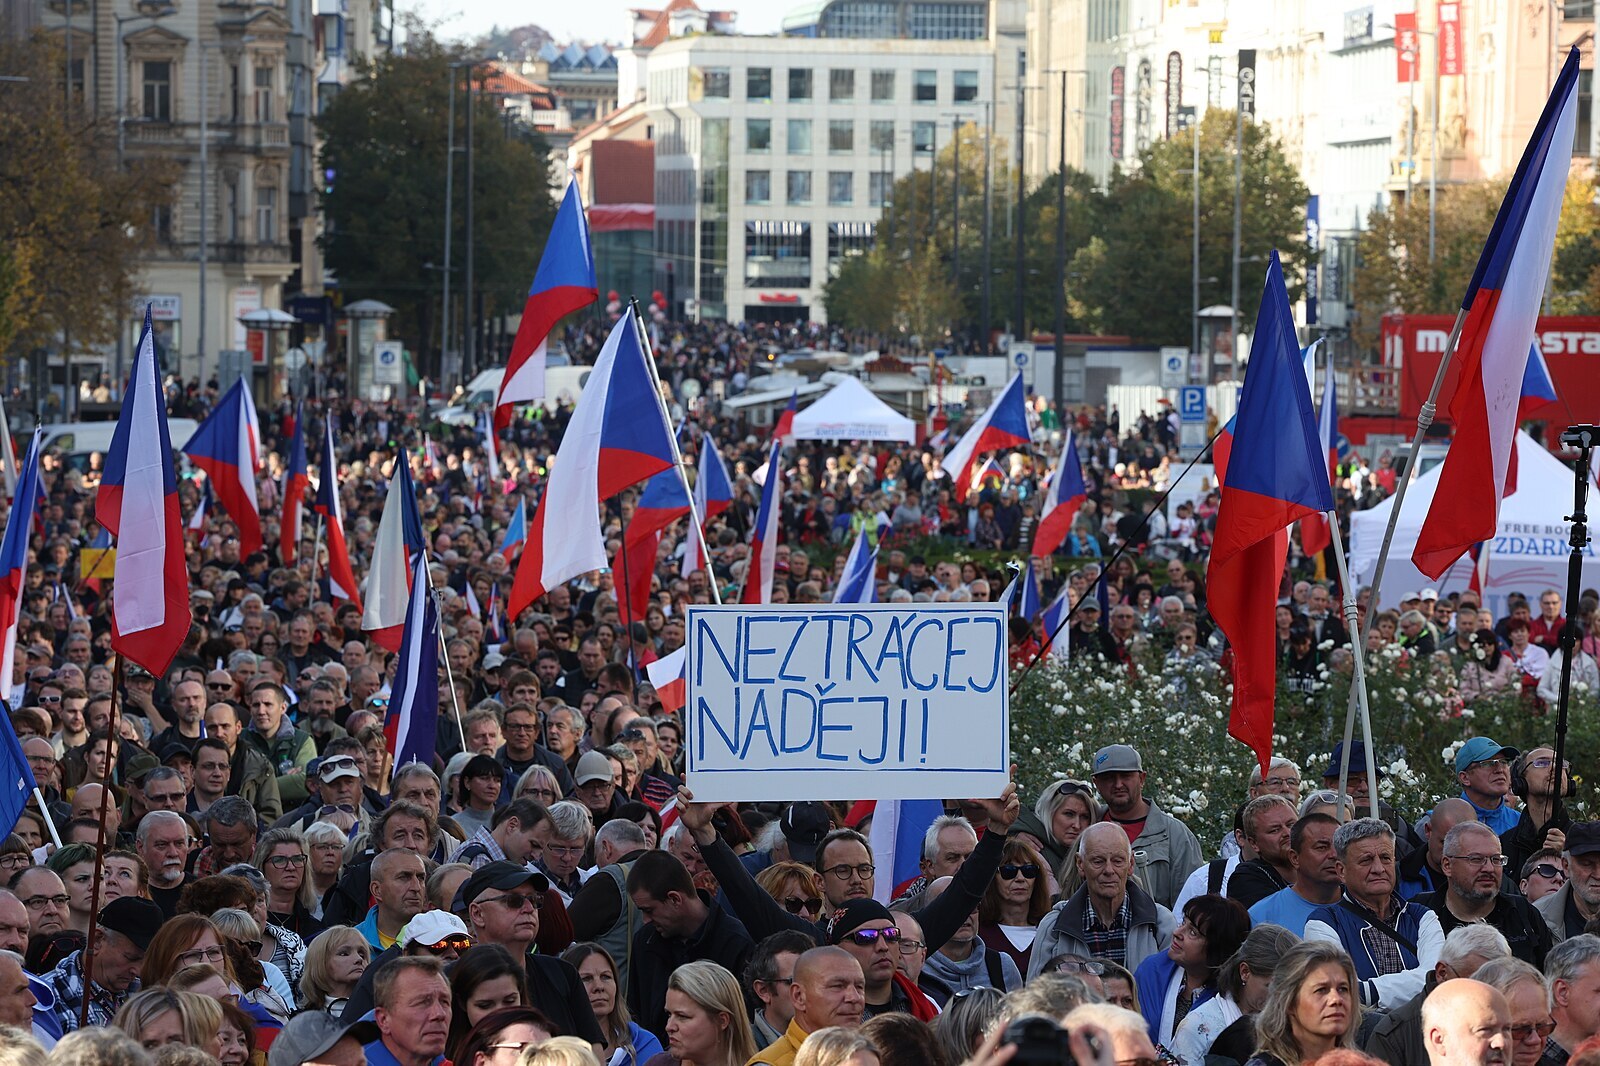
[[1174, 367], [1192, 403], [1021, 359], [387, 365]]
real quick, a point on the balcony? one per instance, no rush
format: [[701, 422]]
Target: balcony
[[251, 253]]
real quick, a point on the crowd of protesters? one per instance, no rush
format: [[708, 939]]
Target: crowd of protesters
[[261, 885]]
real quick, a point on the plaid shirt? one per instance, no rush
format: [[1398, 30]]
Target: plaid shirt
[[1554, 1054], [68, 982], [490, 851], [1108, 943]]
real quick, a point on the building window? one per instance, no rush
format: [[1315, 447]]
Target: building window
[[882, 135], [800, 83], [75, 78], [882, 85], [841, 135], [158, 91], [1583, 130], [266, 214], [922, 134], [1578, 9], [841, 188], [966, 86], [715, 82], [758, 186], [849, 238], [758, 83], [161, 223], [927, 87], [230, 224], [799, 186], [841, 84], [950, 22], [880, 184], [777, 255], [758, 134], [799, 136], [263, 94]]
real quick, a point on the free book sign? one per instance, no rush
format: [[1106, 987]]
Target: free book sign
[[859, 701]]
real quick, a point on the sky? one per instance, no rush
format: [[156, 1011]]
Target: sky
[[591, 20]]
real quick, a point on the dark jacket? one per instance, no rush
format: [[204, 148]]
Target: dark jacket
[[1522, 926], [252, 777], [287, 754], [721, 939], [1396, 1038], [1254, 881], [1521, 841]]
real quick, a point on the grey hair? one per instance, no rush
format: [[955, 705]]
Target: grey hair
[[930, 839], [962, 1024], [243, 657], [97, 1046], [572, 821], [629, 836], [155, 818], [325, 833], [1465, 941], [236, 924], [257, 879], [1505, 973], [1568, 958], [1412, 616], [1278, 761], [1176, 601], [412, 769], [161, 773], [1461, 829], [14, 957], [1360, 829], [1108, 1016], [231, 811]]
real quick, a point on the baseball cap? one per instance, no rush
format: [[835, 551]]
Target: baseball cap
[[135, 918], [804, 825], [334, 767], [1409, 596], [313, 1033], [176, 750], [1583, 838], [1481, 749], [1358, 760], [592, 767], [431, 927], [501, 876], [1430, 594], [1116, 758], [139, 765], [853, 915], [493, 661]]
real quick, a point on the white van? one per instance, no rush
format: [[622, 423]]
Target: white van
[[78, 440], [559, 382]]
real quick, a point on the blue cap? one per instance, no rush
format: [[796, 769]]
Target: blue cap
[[1481, 749], [1358, 760]]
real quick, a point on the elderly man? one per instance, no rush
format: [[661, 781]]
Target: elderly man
[[1396, 1038], [1473, 868], [828, 990], [1569, 910], [127, 925], [1483, 769], [399, 893], [1574, 972], [44, 895], [1394, 944], [1528, 995], [945, 846], [163, 841], [1168, 852], [412, 1014], [1109, 916], [1467, 1023], [230, 825]]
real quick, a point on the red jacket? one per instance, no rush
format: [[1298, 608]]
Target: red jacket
[[922, 1007]]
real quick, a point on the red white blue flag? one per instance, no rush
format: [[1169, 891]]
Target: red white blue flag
[[341, 578], [713, 494], [563, 284], [662, 503], [227, 446], [1278, 474], [1315, 536], [296, 480], [14, 560], [138, 504], [1062, 498], [412, 721], [783, 431], [1003, 425], [399, 541], [516, 534], [764, 542], [858, 583], [1502, 310]]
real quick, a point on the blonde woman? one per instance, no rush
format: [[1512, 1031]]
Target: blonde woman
[[707, 1024], [559, 1051], [837, 1046], [283, 856], [335, 962], [1311, 1006], [156, 1017], [539, 783], [796, 887]]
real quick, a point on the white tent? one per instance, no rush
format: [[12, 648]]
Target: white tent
[[1528, 554], [851, 412]]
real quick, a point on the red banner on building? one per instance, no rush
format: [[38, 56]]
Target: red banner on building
[[1405, 47], [1119, 82], [1450, 61]]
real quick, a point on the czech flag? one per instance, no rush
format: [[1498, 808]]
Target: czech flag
[[412, 720], [399, 540], [989, 475], [341, 578], [618, 436], [296, 480], [1027, 604], [666, 677], [1281, 476], [662, 503], [516, 534], [197, 520], [713, 494], [563, 284], [898, 829], [138, 504], [1502, 310], [227, 446], [858, 583], [764, 542], [1222, 450], [1538, 387], [1057, 635], [1315, 535], [8, 455], [1003, 425], [1062, 498], [14, 561], [784, 430]]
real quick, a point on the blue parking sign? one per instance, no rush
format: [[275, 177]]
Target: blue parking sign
[[1192, 403]]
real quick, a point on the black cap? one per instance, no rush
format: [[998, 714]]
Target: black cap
[[135, 918], [176, 750], [1583, 838], [804, 826], [853, 915], [502, 877]]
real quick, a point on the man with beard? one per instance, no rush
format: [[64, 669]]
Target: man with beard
[[162, 841], [1466, 1023], [1473, 867]]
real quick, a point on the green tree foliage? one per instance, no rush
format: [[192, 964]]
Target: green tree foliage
[[386, 138], [72, 225]]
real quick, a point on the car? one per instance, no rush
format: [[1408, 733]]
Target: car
[[561, 382], [79, 440]]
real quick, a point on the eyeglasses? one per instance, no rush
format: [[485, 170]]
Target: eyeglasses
[[330, 846], [844, 870], [793, 904], [49, 699], [224, 685], [1493, 764], [33, 903], [1519, 1033], [283, 862], [458, 941], [335, 808], [1547, 870], [631, 734], [1010, 870], [867, 937], [1281, 782], [1544, 762], [252, 946], [522, 727], [168, 797], [516, 900], [213, 955], [1088, 966], [911, 947], [517, 1047], [1479, 860], [16, 861]]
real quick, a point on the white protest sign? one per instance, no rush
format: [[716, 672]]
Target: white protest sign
[[847, 701]]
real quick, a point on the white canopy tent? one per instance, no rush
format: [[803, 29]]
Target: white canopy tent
[[1528, 554], [850, 411]]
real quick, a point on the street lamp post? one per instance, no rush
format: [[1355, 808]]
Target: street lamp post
[[1058, 369]]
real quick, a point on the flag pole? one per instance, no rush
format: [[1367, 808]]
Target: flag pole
[[1359, 680], [1424, 420], [113, 746], [677, 455], [49, 822], [450, 674]]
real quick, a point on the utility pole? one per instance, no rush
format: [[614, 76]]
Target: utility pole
[[1058, 369], [988, 219], [1194, 254], [1238, 222], [470, 363], [1019, 309], [449, 222]]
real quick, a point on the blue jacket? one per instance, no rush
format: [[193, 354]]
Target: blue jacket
[[1154, 978]]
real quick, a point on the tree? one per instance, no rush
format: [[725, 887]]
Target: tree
[[72, 225], [386, 138]]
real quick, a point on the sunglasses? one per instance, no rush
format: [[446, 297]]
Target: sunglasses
[[49, 699], [1089, 966], [794, 905], [458, 941], [867, 937], [1010, 870], [517, 900], [1549, 871]]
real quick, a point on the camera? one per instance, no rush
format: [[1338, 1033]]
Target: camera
[[1039, 1041]]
